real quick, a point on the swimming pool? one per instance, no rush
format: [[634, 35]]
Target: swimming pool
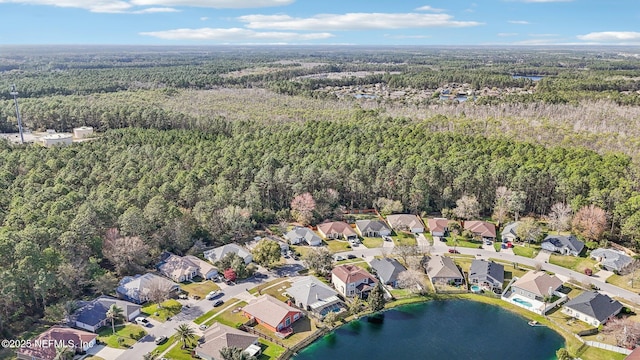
[[475, 288], [522, 302]]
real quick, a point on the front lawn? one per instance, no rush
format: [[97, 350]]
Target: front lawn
[[106, 335], [168, 309], [200, 288], [628, 282], [404, 239], [177, 353], [525, 251], [263, 286], [302, 250], [336, 246], [232, 317], [372, 242], [277, 291], [575, 263], [270, 350], [459, 241]]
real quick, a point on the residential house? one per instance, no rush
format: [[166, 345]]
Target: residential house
[[313, 295], [351, 280], [299, 235], [272, 313], [482, 229], [177, 268], [218, 336], [337, 230], [536, 285], [387, 270], [137, 288], [205, 269], [406, 222], [611, 260], [563, 244], [92, 315], [218, 253], [439, 227], [509, 232], [372, 228], [442, 270], [592, 308], [487, 274], [56, 337]]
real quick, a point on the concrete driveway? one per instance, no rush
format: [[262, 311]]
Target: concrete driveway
[[105, 352]]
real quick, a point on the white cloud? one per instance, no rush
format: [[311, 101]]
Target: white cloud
[[227, 4], [353, 21], [204, 18], [121, 6], [519, 22], [429, 8], [507, 34], [234, 35], [612, 37]]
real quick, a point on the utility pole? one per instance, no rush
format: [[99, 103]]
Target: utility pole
[[15, 100]]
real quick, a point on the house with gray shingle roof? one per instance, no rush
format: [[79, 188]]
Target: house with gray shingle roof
[[137, 288], [509, 232], [372, 228], [299, 234], [92, 315], [313, 295], [592, 308], [218, 337], [563, 244], [611, 260], [487, 274], [406, 222], [536, 285], [442, 270], [214, 255], [387, 270]]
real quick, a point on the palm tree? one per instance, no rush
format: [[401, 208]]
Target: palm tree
[[185, 334], [64, 353], [234, 353], [114, 314]]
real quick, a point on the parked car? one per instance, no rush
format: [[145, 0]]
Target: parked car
[[351, 256], [196, 297], [454, 251], [204, 327], [212, 295], [339, 258], [161, 339], [218, 303], [588, 272], [387, 238], [142, 321], [182, 296]]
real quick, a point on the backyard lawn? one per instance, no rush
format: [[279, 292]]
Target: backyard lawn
[[106, 335], [599, 354], [302, 329], [232, 317], [575, 263], [199, 288], [270, 350], [168, 309], [372, 242], [525, 251]]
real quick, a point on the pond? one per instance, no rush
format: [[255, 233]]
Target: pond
[[452, 329]]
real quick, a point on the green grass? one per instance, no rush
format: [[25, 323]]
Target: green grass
[[106, 335], [270, 350], [625, 282], [164, 346], [372, 242], [575, 263], [177, 353], [404, 239], [263, 286], [525, 251], [599, 354], [302, 250], [497, 245], [336, 246], [462, 242], [273, 291], [464, 263], [168, 309], [302, 329], [227, 317], [199, 288]]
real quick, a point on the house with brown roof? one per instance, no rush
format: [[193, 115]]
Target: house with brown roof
[[177, 268], [273, 314], [44, 345], [536, 285], [351, 280], [218, 337], [438, 227], [372, 228], [483, 229], [442, 270], [337, 230], [406, 222]]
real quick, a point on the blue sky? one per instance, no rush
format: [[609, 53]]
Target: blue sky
[[361, 22]]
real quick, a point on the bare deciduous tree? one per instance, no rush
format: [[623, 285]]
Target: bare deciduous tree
[[412, 279], [127, 254], [302, 207], [467, 207], [388, 206], [159, 290], [624, 330], [590, 222], [560, 217], [528, 230]]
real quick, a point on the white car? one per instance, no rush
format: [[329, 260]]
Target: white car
[[340, 258], [142, 321], [212, 295]]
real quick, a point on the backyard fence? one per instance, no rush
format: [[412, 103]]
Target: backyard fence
[[289, 352], [608, 347]]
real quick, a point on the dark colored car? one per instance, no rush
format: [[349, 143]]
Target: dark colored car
[[454, 251], [351, 256], [218, 303]]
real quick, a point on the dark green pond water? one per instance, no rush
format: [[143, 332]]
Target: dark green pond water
[[452, 329]]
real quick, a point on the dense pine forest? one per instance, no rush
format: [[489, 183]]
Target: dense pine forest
[[199, 147]]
